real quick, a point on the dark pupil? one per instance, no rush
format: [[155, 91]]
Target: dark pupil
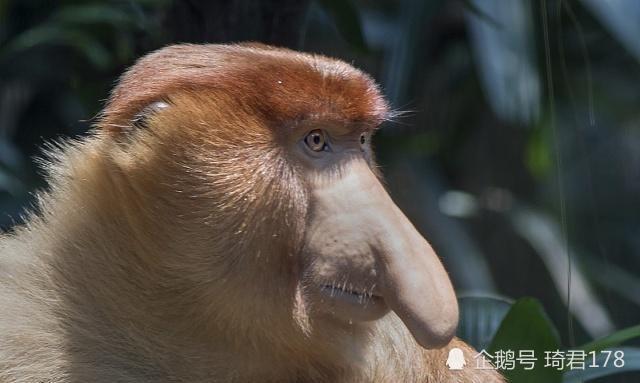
[[316, 139], [362, 139]]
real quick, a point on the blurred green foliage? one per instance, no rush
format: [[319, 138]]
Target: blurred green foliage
[[58, 61], [527, 327]]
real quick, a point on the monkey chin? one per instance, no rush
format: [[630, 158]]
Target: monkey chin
[[349, 305]]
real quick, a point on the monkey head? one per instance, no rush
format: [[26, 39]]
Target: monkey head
[[257, 186]]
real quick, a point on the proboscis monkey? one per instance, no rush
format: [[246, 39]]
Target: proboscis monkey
[[225, 223]]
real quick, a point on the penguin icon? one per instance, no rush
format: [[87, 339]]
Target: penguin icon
[[456, 361]]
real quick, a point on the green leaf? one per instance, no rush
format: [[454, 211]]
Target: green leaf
[[347, 20], [12, 164], [480, 318], [50, 34], [11, 184], [620, 17], [538, 156], [479, 13], [527, 327], [631, 363], [3, 8], [152, 3], [505, 56], [614, 339], [93, 14]]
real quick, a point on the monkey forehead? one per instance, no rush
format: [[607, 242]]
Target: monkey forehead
[[278, 84]]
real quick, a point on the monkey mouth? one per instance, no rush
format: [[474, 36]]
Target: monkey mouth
[[362, 297], [351, 303]]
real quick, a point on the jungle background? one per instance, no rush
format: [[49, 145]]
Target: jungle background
[[516, 152]]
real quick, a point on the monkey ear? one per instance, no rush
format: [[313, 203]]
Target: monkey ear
[[140, 119]]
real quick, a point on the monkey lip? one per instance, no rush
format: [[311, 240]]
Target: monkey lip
[[361, 297], [352, 304]]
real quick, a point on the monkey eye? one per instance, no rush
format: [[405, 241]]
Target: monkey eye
[[363, 139], [316, 140]]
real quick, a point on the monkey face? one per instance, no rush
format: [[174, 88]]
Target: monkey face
[[267, 163], [362, 257]]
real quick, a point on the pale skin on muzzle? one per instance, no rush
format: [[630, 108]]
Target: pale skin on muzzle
[[365, 257]]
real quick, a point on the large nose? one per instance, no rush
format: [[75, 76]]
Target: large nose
[[412, 280]]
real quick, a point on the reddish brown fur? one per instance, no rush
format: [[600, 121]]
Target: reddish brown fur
[[280, 85], [169, 253]]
